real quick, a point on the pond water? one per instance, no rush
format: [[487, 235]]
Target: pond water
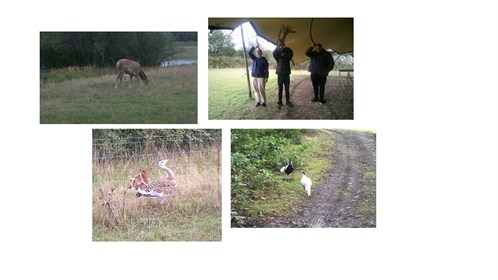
[[178, 62]]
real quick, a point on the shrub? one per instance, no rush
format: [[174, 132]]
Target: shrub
[[257, 155]]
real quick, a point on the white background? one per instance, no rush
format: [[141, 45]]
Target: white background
[[434, 107]]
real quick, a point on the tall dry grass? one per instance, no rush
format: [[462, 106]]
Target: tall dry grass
[[193, 214]]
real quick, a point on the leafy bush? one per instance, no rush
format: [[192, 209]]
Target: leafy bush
[[257, 155]]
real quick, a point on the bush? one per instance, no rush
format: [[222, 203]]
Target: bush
[[217, 62], [257, 155]]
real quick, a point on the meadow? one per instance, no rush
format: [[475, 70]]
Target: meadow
[[89, 96], [193, 214]]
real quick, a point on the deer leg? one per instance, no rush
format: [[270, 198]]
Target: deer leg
[[138, 79], [120, 78], [131, 80]]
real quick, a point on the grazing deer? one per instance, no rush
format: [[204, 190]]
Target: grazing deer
[[132, 68]]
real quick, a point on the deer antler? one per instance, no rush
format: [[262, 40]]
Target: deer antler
[[284, 31]]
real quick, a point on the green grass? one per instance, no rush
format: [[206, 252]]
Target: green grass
[[316, 161], [370, 174], [229, 96], [89, 96], [367, 206], [161, 225]]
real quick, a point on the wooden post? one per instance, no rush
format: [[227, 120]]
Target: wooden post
[[245, 59]]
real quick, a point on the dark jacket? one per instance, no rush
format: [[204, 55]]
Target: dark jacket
[[283, 58], [259, 65], [321, 62]]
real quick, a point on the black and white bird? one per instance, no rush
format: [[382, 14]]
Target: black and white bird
[[306, 183], [288, 168]]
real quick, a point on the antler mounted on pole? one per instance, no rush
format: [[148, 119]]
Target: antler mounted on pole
[[284, 31]]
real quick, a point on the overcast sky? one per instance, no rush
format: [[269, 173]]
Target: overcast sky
[[250, 38]]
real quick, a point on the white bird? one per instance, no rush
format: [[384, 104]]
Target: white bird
[[288, 168], [306, 183], [159, 189]]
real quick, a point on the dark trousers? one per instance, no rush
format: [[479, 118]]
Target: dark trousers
[[283, 80], [318, 82]]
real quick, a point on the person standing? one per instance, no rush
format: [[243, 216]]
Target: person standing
[[259, 74], [320, 65], [283, 56]]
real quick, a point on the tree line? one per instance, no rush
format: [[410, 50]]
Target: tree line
[[62, 49], [222, 54]]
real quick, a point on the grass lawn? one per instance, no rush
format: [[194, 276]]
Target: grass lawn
[[229, 97], [228, 93]]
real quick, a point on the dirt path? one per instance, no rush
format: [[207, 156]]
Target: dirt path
[[346, 198]]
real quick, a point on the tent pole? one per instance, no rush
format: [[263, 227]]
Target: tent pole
[[245, 59]]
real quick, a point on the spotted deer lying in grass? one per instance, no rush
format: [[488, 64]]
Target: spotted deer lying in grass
[[132, 68]]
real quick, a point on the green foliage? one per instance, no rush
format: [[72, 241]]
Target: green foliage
[[237, 60], [220, 44], [185, 36], [257, 156], [62, 49], [218, 62]]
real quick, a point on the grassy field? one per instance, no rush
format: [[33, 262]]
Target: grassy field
[[228, 94], [229, 98], [189, 51], [193, 214], [88, 95], [170, 97]]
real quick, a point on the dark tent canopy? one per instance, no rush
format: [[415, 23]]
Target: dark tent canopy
[[332, 33]]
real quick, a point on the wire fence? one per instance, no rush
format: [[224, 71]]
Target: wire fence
[[194, 160], [119, 148]]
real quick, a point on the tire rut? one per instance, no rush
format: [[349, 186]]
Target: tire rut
[[346, 195]]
